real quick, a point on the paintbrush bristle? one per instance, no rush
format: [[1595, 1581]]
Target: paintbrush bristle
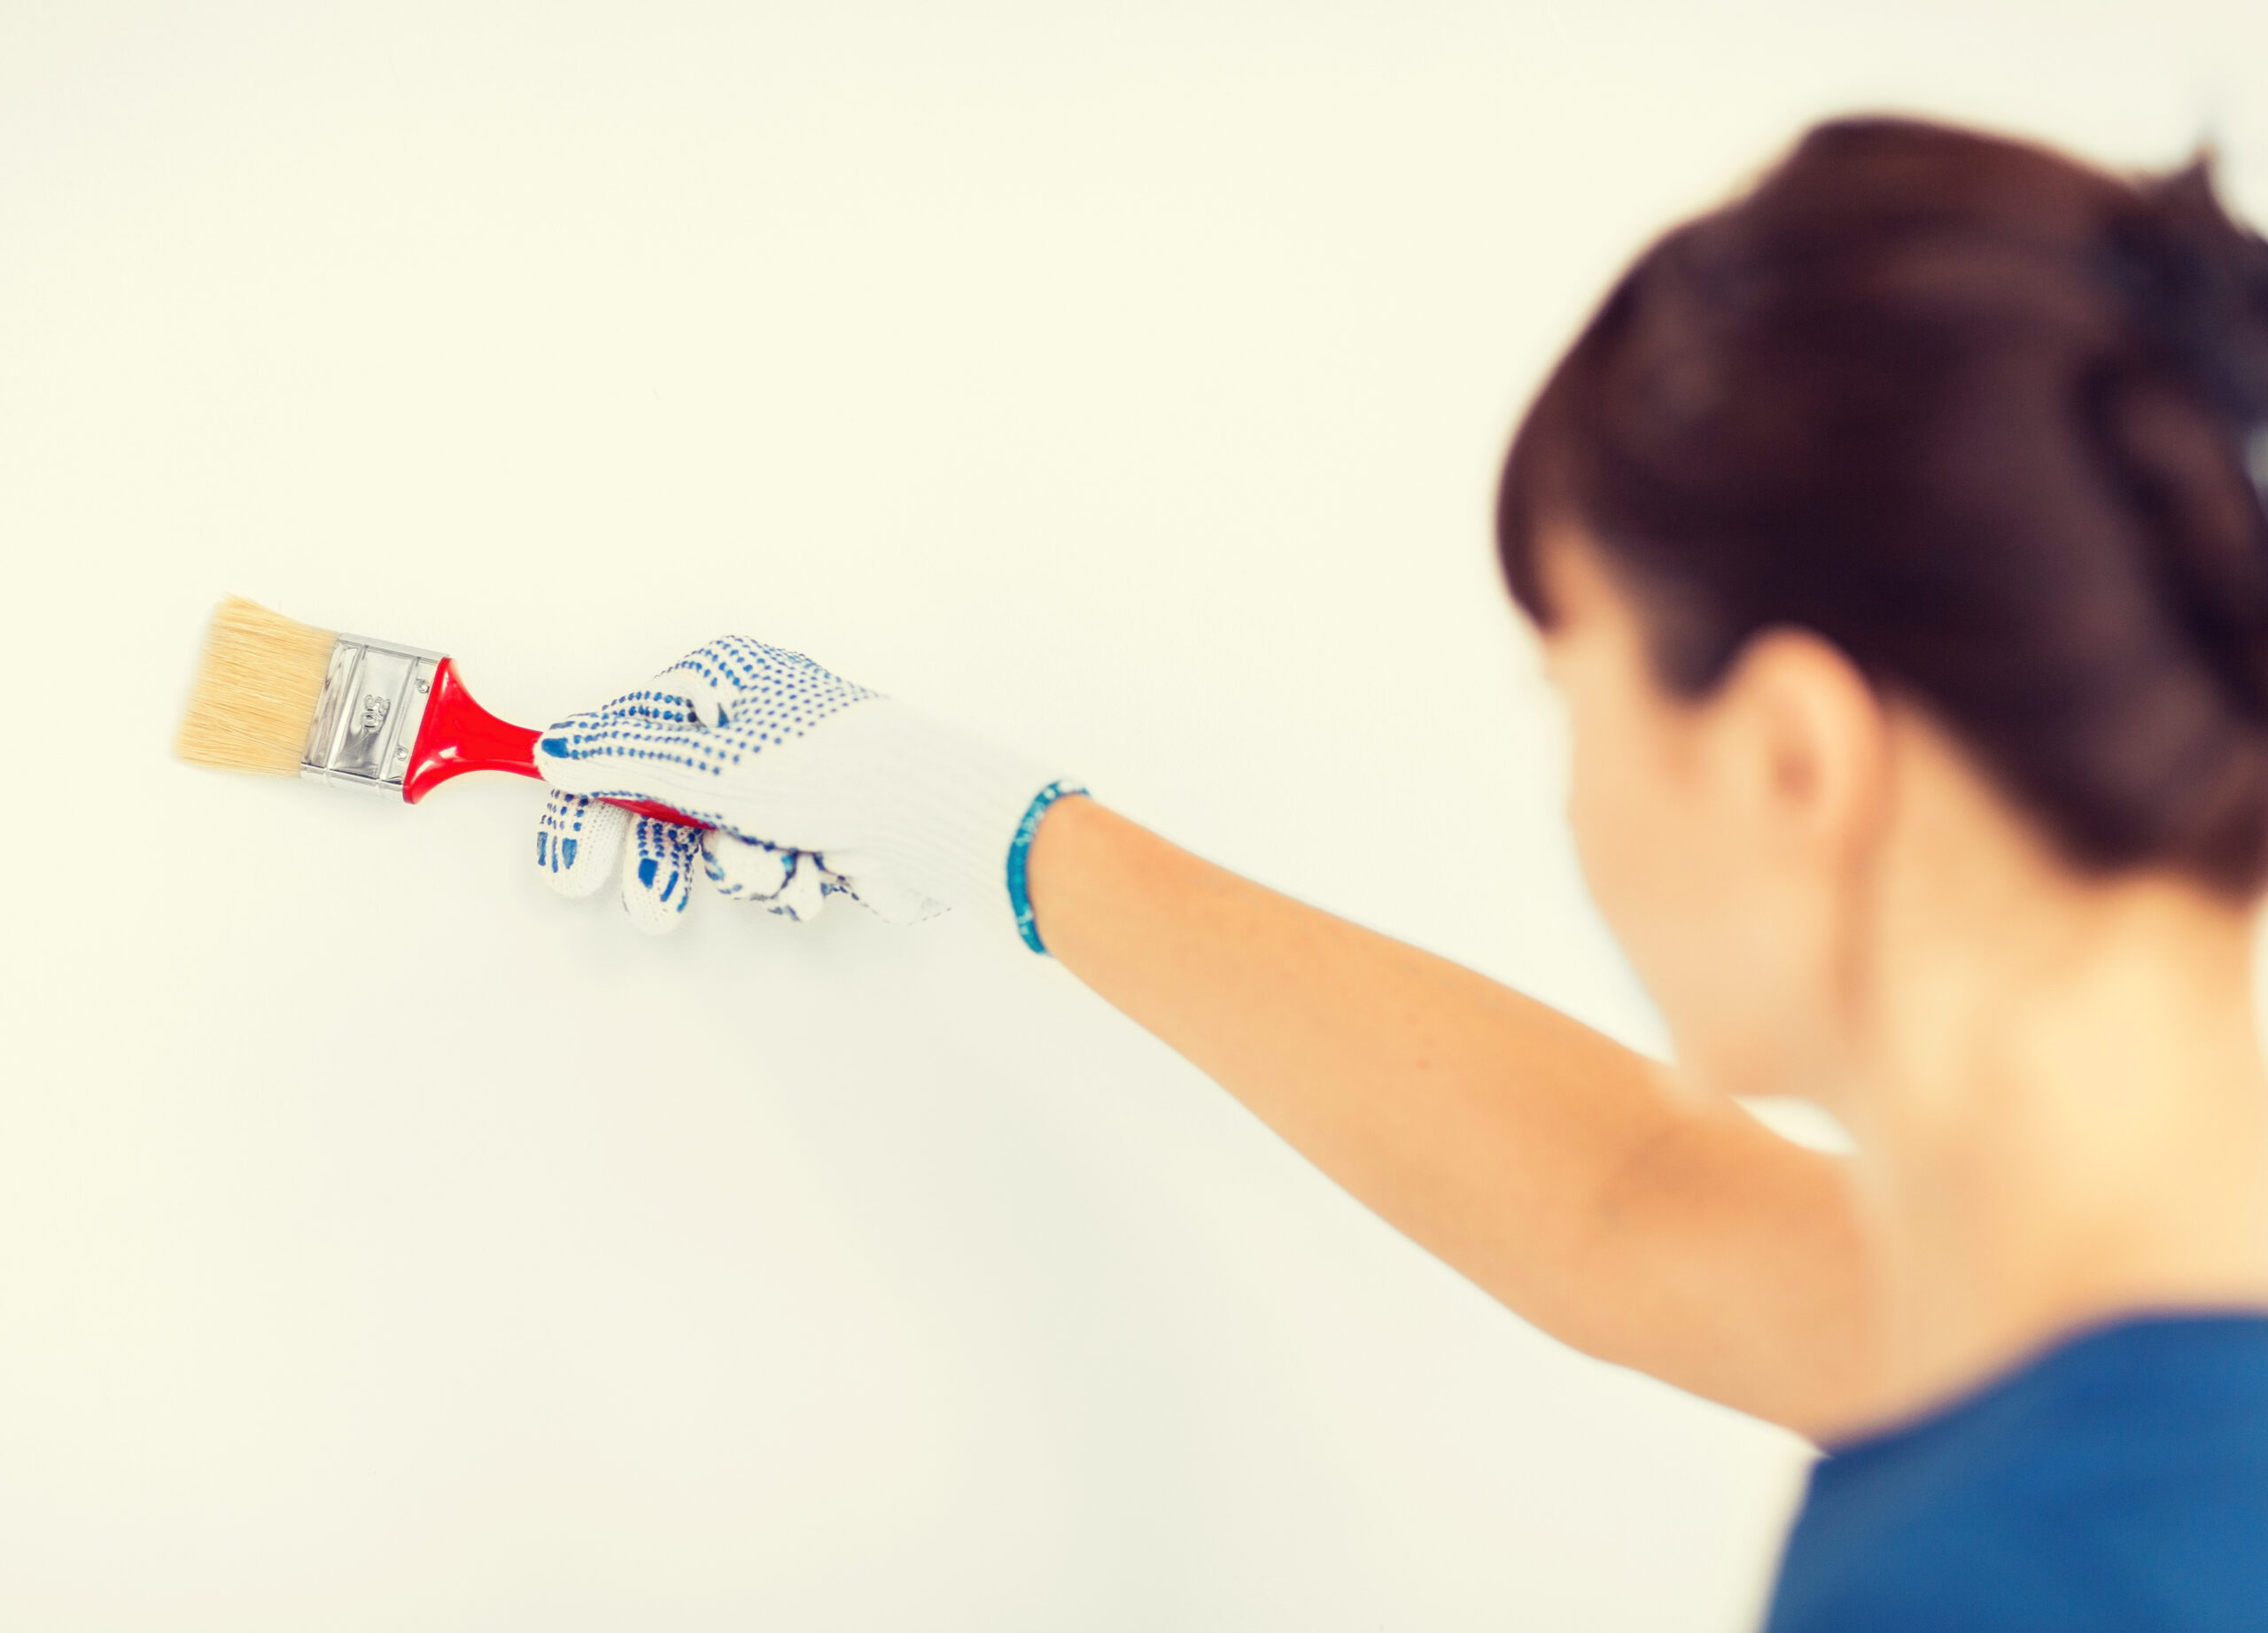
[[256, 691]]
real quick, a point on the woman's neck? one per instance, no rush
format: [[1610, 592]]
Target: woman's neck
[[2065, 1119]]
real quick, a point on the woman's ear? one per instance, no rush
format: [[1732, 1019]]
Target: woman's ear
[[1808, 742]]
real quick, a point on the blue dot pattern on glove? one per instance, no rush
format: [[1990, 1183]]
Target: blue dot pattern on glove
[[559, 832], [715, 707], [579, 843], [661, 861]]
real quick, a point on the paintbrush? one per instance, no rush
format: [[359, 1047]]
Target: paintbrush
[[286, 698]]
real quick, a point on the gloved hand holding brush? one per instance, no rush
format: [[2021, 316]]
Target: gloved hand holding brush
[[813, 786]]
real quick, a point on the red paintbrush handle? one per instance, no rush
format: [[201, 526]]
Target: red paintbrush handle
[[458, 735]]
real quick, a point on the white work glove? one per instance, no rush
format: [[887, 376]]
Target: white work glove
[[814, 787]]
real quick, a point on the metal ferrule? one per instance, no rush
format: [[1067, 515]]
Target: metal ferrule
[[374, 699]]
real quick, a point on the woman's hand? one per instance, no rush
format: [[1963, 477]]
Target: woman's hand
[[814, 785]]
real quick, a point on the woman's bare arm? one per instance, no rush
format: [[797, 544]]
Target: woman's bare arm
[[1624, 1213]]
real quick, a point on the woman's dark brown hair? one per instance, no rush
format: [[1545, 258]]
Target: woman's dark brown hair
[[1994, 423]]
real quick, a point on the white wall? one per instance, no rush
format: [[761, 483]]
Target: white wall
[[385, 1244]]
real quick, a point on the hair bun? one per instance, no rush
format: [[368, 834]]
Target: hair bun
[[2196, 280]]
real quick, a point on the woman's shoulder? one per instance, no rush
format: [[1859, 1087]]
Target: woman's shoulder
[[2118, 1481]]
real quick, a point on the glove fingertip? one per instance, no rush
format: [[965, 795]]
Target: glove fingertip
[[576, 842], [657, 874], [797, 896], [744, 869]]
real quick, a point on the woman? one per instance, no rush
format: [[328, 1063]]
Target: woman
[[1897, 535]]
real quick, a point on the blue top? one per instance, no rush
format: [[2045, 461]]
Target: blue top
[[2118, 1481]]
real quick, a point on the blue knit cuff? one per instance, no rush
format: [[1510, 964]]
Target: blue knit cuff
[[1019, 853]]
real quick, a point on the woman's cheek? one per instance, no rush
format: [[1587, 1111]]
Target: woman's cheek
[[1627, 837], [1643, 842]]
